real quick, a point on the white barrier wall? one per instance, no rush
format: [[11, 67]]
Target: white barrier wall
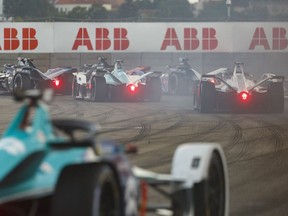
[[143, 37], [263, 47]]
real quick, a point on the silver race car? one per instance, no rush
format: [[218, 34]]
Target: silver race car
[[99, 82]]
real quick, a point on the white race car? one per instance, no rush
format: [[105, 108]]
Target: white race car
[[236, 91]]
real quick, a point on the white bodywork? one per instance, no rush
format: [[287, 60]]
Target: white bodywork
[[117, 76], [81, 78], [182, 165], [238, 81], [182, 171]]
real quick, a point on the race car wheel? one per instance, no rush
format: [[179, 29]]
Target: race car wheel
[[21, 82], [66, 82], [75, 88], [98, 88], [209, 195], [196, 95], [206, 198], [176, 84], [87, 190], [153, 88], [276, 97], [207, 97]]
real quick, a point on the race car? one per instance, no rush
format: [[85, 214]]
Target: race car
[[49, 170], [180, 79], [24, 75], [98, 83], [237, 91]]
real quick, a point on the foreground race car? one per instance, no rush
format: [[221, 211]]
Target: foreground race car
[[24, 75], [180, 79], [236, 91], [47, 170], [98, 83]]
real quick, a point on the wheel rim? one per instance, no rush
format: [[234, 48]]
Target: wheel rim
[[216, 189]]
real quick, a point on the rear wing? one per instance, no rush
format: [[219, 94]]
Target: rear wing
[[272, 78], [150, 74], [207, 77]]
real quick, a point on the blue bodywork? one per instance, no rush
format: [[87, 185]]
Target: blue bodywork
[[28, 164]]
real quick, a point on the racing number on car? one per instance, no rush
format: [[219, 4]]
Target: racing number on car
[[131, 197]]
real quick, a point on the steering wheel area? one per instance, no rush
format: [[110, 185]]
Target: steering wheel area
[[81, 133]]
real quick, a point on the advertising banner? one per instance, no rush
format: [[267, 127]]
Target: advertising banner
[[143, 37]]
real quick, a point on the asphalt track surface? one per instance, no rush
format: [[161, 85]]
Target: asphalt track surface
[[256, 145]]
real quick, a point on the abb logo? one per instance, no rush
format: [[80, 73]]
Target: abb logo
[[12, 41], [102, 40], [279, 39], [191, 39]]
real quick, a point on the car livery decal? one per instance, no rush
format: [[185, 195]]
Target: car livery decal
[[12, 146]]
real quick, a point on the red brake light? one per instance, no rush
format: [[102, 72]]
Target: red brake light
[[244, 96], [57, 82], [132, 88], [212, 81]]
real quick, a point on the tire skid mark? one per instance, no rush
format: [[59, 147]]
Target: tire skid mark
[[237, 129], [177, 123], [166, 151], [143, 133], [101, 117], [189, 137], [170, 147], [146, 125], [56, 109], [200, 136], [266, 130], [278, 135], [237, 137]]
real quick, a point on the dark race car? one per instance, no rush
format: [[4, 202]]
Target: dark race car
[[180, 78], [24, 75], [102, 82]]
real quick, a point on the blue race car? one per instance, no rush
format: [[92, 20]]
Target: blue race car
[[47, 169]]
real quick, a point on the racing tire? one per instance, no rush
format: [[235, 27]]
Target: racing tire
[[21, 82], [207, 97], [75, 88], [98, 88], [154, 89], [196, 95], [276, 97], [209, 195], [176, 84], [206, 198], [87, 190], [67, 84]]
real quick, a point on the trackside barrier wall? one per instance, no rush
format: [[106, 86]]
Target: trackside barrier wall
[[263, 47]]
